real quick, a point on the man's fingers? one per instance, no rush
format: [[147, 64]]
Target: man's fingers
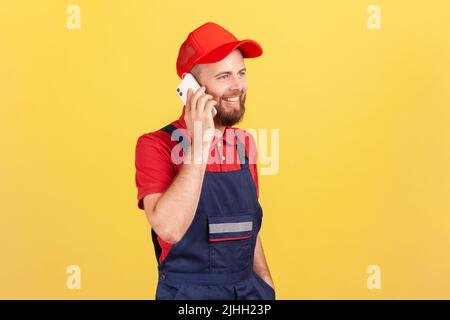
[[188, 100], [209, 107], [201, 102], [195, 97]]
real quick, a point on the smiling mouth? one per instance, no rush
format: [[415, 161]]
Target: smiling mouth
[[231, 99]]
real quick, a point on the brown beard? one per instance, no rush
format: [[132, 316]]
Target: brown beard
[[225, 118]]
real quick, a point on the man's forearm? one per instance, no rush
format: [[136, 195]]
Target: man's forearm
[[175, 210], [260, 264]]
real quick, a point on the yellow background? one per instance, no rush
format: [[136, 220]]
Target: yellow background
[[363, 116]]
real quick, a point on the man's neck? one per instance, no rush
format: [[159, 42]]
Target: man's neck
[[220, 128]]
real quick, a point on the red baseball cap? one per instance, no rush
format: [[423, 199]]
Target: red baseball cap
[[211, 43]]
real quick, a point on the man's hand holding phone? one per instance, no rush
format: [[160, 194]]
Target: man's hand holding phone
[[200, 123]]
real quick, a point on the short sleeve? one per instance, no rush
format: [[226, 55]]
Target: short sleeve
[[154, 168]]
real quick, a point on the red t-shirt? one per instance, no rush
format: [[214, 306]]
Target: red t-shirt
[[155, 169]]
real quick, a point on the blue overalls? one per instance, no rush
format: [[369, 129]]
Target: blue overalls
[[214, 259]]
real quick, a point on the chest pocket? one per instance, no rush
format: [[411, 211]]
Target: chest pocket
[[231, 242]]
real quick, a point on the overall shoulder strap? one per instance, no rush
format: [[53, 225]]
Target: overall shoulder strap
[[243, 157], [169, 129], [180, 138]]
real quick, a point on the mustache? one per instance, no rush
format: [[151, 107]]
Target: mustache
[[230, 118]]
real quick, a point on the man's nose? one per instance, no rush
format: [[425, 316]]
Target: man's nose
[[237, 84]]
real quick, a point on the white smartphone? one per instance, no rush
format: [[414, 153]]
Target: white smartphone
[[189, 82]]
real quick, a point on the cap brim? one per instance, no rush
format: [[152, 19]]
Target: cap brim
[[249, 49]]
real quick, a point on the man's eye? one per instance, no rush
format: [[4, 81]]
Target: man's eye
[[223, 77]]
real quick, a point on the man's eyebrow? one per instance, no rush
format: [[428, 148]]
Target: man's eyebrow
[[229, 72]]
